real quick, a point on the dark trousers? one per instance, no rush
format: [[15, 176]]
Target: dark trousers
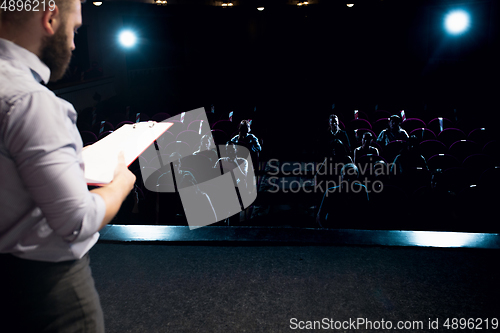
[[38, 296]]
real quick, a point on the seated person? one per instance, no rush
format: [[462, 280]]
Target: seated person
[[409, 158], [365, 147], [333, 163], [344, 201], [393, 133], [239, 167], [250, 141], [182, 177], [245, 139], [206, 148], [231, 162]]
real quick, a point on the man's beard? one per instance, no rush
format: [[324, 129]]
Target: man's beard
[[56, 54]]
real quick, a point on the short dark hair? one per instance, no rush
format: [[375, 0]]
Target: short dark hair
[[244, 123], [395, 118]]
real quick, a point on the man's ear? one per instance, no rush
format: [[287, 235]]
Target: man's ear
[[51, 20]]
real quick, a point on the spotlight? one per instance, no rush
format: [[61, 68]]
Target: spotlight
[[260, 8], [97, 3], [127, 38], [349, 5], [456, 22]]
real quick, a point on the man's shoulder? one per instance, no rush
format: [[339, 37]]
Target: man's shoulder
[[16, 83]]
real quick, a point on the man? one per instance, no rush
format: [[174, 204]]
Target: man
[[48, 218], [336, 133], [393, 133], [232, 162], [345, 204], [246, 139], [365, 148]]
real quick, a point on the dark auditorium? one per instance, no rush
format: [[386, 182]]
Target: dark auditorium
[[249, 166]]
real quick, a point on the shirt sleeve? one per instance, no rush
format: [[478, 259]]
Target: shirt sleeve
[[347, 143], [39, 138], [382, 138], [255, 144]]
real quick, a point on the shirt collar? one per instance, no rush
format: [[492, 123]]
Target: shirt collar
[[38, 69]]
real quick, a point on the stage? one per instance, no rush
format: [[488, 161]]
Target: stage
[[249, 279]]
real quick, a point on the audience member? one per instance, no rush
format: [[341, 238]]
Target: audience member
[[344, 202], [250, 141], [207, 149], [336, 133], [231, 162], [365, 148], [393, 133], [239, 166], [245, 139], [409, 158], [182, 177]]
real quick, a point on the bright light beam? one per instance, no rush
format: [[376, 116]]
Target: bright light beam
[[456, 22], [127, 38]]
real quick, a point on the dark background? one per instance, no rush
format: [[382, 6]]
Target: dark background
[[294, 62]]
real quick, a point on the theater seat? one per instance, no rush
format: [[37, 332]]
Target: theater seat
[[412, 123], [225, 125], [220, 137], [88, 137], [393, 149], [438, 124], [442, 161], [190, 137], [379, 114], [199, 126], [430, 148], [180, 147], [423, 134], [380, 125], [450, 135], [476, 164], [120, 124], [358, 123], [492, 149], [480, 136], [463, 148], [103, 135]]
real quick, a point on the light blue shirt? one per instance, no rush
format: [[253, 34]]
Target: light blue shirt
[[46, 210]]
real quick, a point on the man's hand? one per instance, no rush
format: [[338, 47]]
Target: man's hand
[[123, 174], [115, 192]]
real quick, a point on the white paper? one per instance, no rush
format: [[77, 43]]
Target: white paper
[[100, 159]]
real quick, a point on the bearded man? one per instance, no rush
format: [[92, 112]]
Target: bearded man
[[49, 220]]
